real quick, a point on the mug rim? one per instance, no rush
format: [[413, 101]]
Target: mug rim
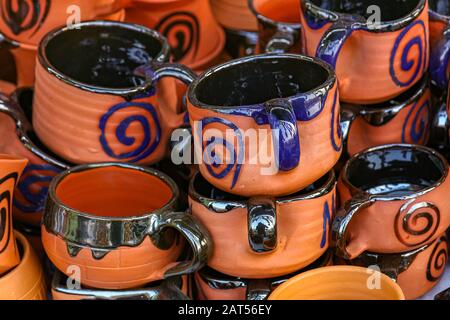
[[161, 57], [380, 197], [264, 19], [326, 188], [384, 26], [326, 85]]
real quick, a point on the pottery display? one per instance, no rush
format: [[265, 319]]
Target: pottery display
[[337, 283], [374, 61], [269, 238], [125, 215]]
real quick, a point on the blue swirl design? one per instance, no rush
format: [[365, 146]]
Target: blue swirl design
[[420, 115], [406, 63], [152, 134], [34, 177], [336, 129], [327, 221], [315, 23], [213, 163]]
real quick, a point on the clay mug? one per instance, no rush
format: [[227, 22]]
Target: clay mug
[[125, 219], [416, 271], [213, 285], [338, 283], [11, 168], [93, 107], [26, 281], [403, 119], [19, 138], [270, 236], [278, 24], [439, 42], [24, 23], [374, 60], [168, 289], [265, 125], [394, 200], [194, 35]]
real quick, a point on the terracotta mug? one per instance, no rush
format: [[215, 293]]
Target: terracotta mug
[[125, 219], [374, 61], [86, 111], [289, 103], [394, 200], [168, 289], [213, 285], [403, 119], [24, 23], [19, 138], [337, 283], [234, 15], [194, 35], [11, 168], [278, 24], [26, 281], [416, 271], [269, 237], [439, 42]]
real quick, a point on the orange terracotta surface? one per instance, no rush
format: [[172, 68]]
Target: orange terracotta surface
[[7, 87], [363, 66], [11, 168], [337, 283], [410, 125], [317, 153], [189, 26], [298, 243], [26, 281], [234, 14]]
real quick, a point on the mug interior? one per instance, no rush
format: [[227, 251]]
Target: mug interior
[[113, 191], [286, 11], [395, 171], [258, 79], [390, 9], [440, 6], [102, 55]]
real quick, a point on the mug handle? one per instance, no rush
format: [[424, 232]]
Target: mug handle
[[342, 220], [12, 109], [282, 41], [348, 116], [334, 38], [196, 235], [257, 289], [262, 225], [439, 61], [440, 128], [283, 122]]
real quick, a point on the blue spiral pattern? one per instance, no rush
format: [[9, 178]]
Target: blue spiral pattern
[[406, 63], [336, 130], [419, 117], [152, 134], [212, 161], [327, 216]]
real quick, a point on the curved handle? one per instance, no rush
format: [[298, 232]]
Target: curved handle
[[342, 221], [153, 72], [347, 118], [334, 38], [439, 60], [283, 122], [439, 134], [196, 235], [282, 41], [11, 108], [262, 225], [257, 290]]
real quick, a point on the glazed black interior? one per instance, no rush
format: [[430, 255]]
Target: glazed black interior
[[390, 9], [440, 6], [395, 171], [258, 80], [207, 190], [102, 56]]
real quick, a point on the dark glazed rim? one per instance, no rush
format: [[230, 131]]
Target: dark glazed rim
[[384, 26], [162, 56], [327, 187], [432, 153], [264, 19], [327, 84]]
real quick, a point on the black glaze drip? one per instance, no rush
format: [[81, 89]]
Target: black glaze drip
[[440, 6], [390, 9], [260, 80], [396, 171], [102, 56]]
